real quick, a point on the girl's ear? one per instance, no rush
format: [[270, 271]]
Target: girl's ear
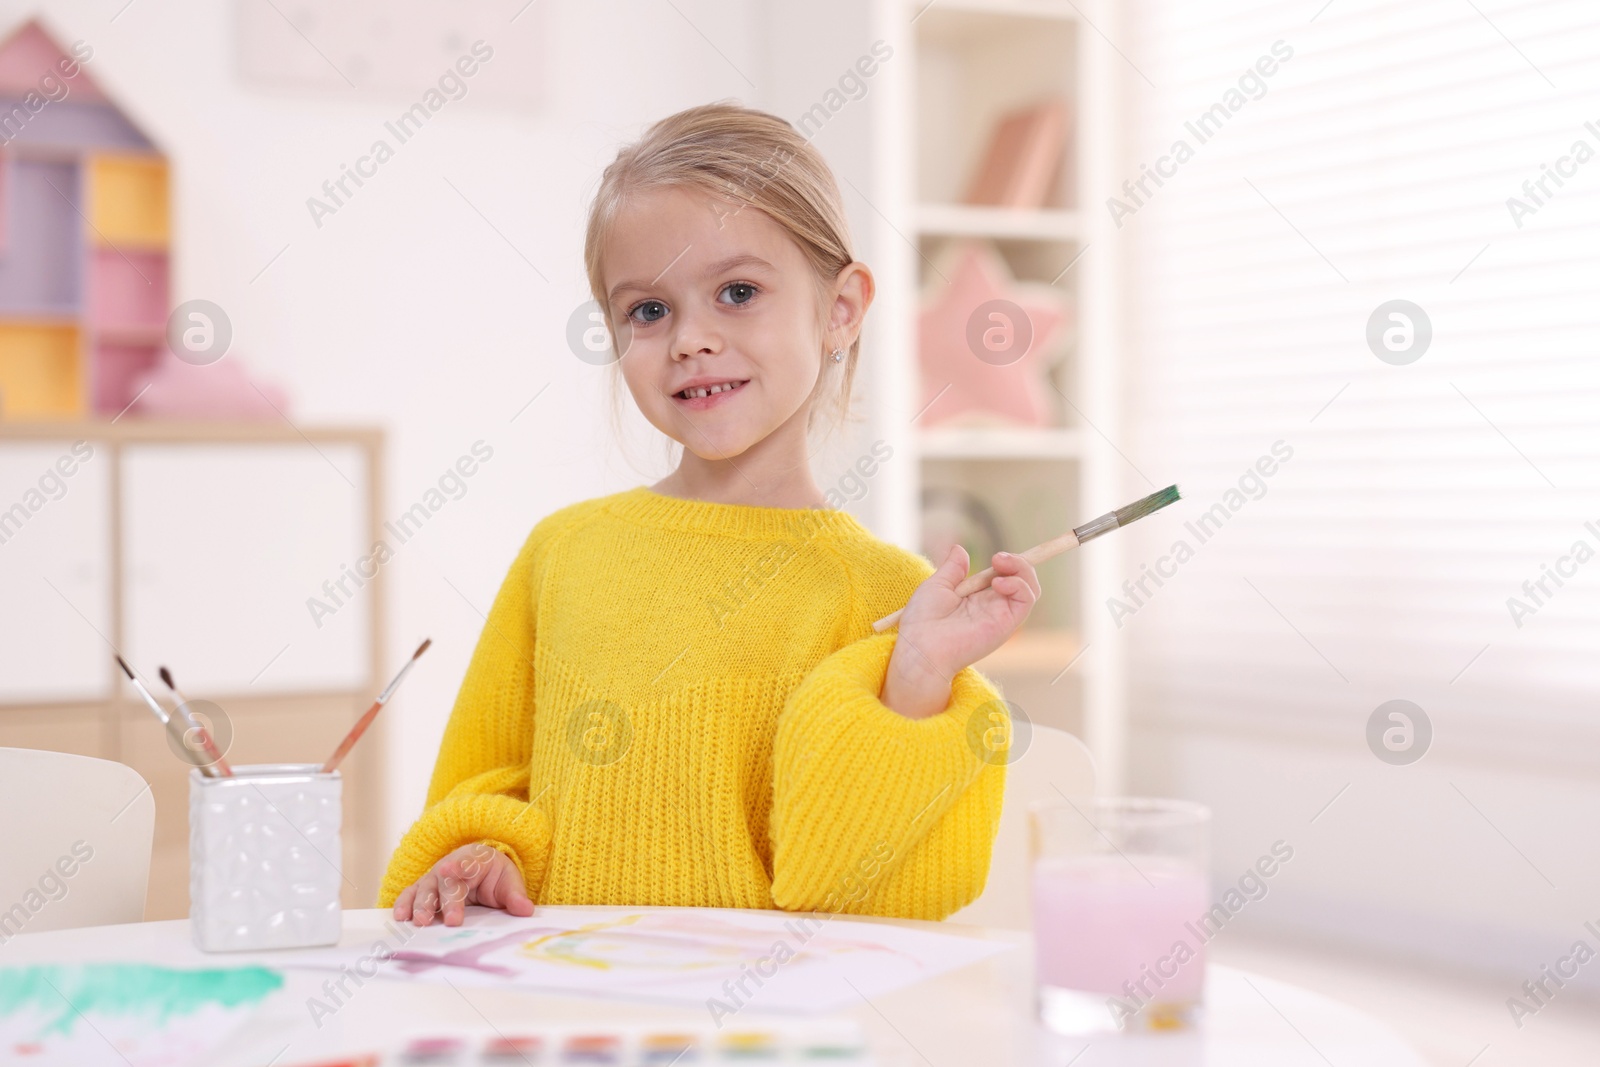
[[853, 289]]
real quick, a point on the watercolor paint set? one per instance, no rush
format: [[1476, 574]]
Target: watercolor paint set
[[839, 1043]]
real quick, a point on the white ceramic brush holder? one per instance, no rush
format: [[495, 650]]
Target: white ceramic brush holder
[[264, 867]]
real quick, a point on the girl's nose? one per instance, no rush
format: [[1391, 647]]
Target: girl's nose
[[694, 337]]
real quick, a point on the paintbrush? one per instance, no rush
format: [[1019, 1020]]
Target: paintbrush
[[365, 721], [156, 709], [191, 725], [1111, 520]]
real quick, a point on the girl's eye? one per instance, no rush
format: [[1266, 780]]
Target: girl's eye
[[654, 310]]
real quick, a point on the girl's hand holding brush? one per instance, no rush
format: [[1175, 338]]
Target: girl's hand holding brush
[[942, 630], [955, 619]]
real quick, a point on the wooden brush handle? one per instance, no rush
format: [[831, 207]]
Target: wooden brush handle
[[351, 738], [365, 721], [214, 752], [981, 579], [188, 724]]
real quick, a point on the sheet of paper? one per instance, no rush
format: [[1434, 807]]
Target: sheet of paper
[[722, 960], [124, 1014]]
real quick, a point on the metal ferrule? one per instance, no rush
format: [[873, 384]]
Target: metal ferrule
[[1095, 527], [388, 691]]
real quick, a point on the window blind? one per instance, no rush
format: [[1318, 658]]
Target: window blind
[[1402, 150]]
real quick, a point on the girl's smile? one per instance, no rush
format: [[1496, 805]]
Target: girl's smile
[[703, 394]]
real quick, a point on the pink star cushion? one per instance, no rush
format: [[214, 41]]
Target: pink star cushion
[[985, 341]]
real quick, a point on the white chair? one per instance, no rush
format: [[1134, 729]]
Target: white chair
[[75, 838], [1055, 764]]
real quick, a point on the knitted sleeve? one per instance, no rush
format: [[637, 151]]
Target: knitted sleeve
[[479, 789], [875, 813]]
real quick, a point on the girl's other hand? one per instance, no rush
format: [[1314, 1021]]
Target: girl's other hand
[[941, 632], [472, 874]]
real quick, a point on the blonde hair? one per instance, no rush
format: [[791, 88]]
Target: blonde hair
[[752, 159]]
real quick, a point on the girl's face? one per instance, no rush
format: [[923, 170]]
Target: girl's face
[[704, 295]]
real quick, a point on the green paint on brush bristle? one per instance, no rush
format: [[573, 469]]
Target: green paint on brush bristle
[[1140, 508], [128, 989]]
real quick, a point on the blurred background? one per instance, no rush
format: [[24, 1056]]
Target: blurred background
[[285, 282]]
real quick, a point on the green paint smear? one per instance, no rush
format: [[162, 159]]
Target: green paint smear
[[128, 989]]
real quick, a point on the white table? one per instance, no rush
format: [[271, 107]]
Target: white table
[[974, 1017]]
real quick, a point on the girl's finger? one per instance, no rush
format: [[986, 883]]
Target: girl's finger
[[1014, 589], [427, 899], [1009, 563], [452, 900], [504, 889], [489, 887], [515, 896], [1028, 574], [402, 903], [953, 569]]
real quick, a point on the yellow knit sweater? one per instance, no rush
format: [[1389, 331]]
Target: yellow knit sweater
[[676, 702]]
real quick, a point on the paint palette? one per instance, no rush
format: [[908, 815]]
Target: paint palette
[[835, 1042]]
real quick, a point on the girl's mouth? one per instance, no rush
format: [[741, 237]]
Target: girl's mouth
[[703, 397]]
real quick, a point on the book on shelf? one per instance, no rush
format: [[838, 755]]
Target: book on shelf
[[1023, 158]]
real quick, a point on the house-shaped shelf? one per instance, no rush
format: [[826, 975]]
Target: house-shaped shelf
[[84, 230]]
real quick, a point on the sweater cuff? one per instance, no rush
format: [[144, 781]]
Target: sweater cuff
[[514, 827], [854, 778], [844, 689]]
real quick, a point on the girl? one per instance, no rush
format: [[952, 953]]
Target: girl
[[678, 698]]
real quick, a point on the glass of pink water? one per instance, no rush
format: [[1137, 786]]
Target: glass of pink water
[[1120, 891]]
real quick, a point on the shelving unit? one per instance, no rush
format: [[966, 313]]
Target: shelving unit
[[141, 556], [84, 270], [962, 443], [958, 66], [166, 541], [967, 220]]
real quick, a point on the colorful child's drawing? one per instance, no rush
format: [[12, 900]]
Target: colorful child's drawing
[[123, 1014], [781, 962]]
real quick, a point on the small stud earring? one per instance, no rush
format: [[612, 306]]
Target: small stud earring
[[838, 355]]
